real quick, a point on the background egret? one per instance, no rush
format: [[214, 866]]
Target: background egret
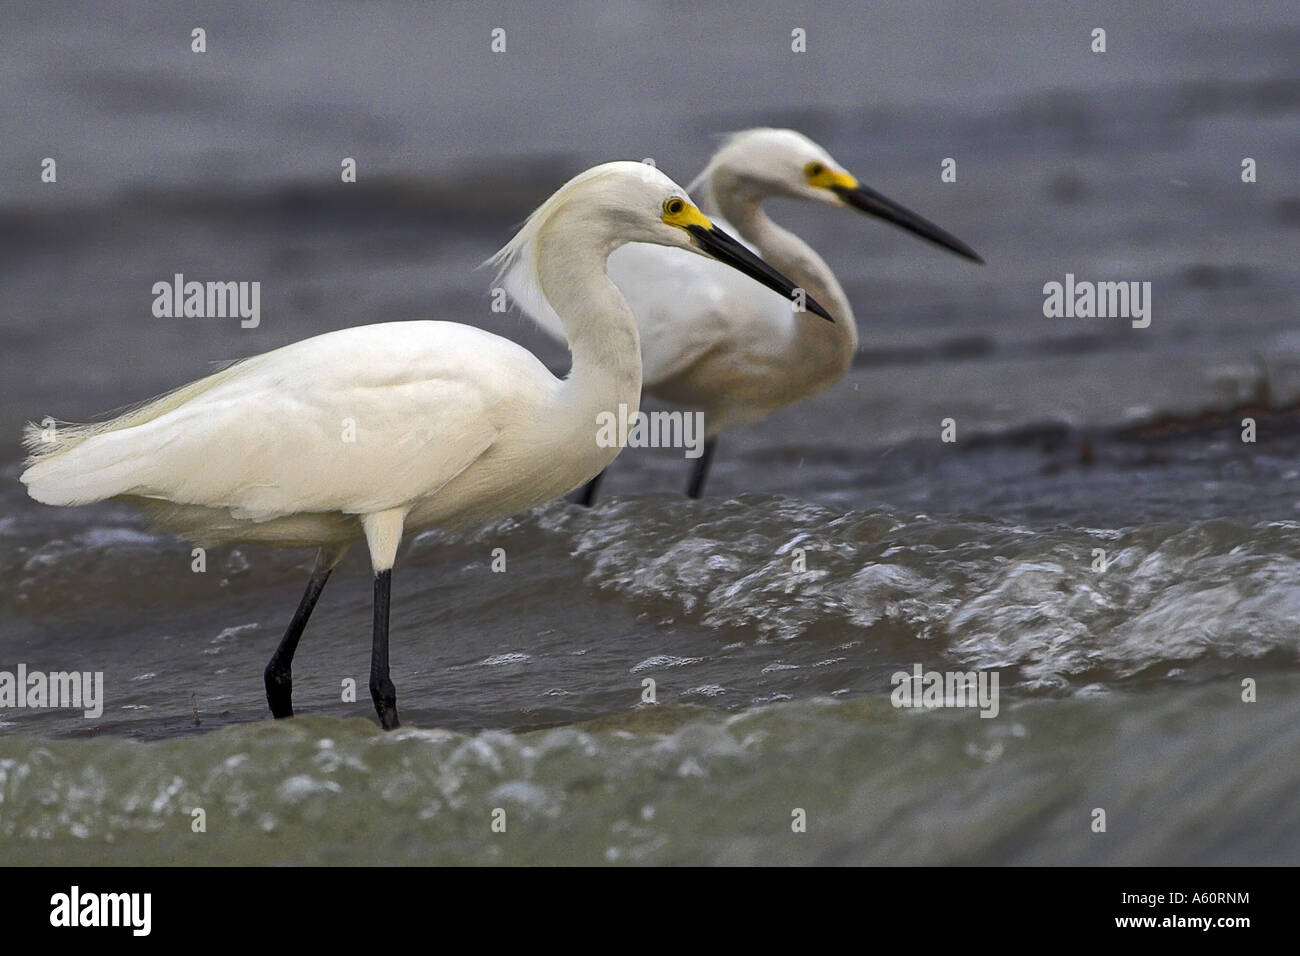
[[729, 349], [373, 431], [971, 555]]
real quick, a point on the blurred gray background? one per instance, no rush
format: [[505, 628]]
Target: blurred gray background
[[225, 165], [1073, 434]]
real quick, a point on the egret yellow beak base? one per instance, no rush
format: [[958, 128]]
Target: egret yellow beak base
[[829, 178], [680, 213]]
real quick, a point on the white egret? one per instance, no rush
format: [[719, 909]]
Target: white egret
[[723, 346], [373, 431]]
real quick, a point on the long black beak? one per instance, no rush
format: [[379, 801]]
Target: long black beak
[[871, 202], [727, 250]]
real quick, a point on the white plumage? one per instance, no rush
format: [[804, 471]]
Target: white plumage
[[352, 422], [377, 430], [714, 342], [444, 421]]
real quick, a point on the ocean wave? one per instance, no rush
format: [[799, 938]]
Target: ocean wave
[[874, 589], [983, 592], [684, 785]]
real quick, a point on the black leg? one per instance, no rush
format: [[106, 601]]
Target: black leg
[[279, 672], [701, 471], [381, 687], [587, 493]]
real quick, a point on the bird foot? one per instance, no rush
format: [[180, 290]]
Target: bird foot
[[279, 691]]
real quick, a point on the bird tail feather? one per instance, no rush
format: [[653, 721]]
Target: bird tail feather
[[72, 463]]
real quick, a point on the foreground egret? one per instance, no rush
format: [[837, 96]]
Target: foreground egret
[[726, 347], [373, 431]]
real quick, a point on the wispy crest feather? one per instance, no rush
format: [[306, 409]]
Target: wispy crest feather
[[744, 140], [515, 263], [701, 187]]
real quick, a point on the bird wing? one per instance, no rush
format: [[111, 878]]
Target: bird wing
[[358, 421]]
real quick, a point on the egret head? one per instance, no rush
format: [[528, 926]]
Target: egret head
[[760, 163], [617, 203]]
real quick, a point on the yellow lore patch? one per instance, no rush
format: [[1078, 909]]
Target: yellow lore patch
[[678, 212], [823, 177]]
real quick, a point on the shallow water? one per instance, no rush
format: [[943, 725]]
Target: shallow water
[[1186, 776], [729, 603], [842, 540], [1119, 689]]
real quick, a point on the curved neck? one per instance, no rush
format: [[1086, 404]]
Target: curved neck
[[601, 329], [798, 260]]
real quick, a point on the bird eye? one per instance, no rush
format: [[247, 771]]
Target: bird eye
[[813, 170], [674, 207]]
